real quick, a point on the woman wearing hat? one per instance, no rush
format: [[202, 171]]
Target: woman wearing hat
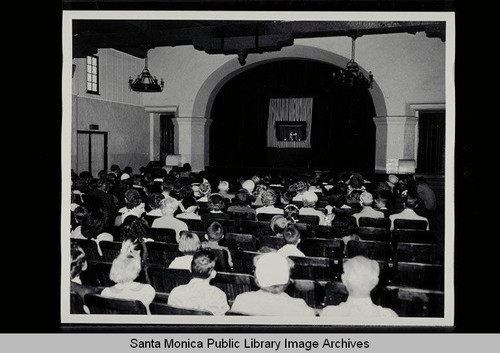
[[272, 275]]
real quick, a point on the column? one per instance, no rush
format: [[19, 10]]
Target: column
[[395, 140], [192, 140]]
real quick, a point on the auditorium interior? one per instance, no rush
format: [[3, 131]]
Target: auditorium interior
[[245, 97]]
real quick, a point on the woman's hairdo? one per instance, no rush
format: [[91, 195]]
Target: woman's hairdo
[[204, 189], [78, 260], [291, 234], [132, 198], [127, 265], [134, 228], [189, 243], [154, 200], [216, 202], [94, 223], [268, 197], [300, 186]]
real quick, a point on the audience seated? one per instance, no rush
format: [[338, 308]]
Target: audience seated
[[78, 265], [411, 202], [198, 294], [79, 215], [168, 207], [241, 203], [102, 198], [300, 188], [215, 205], [360, 277], [94, 227], [268, 198], [136, 230], [291, 213], [381, 199], [257, 195], [278, 225], [426, 196], [188, 208], [309, 200], [249, 186], [166, 188], [224, 190], [337, 203], [215, 233], [134, 205], [366, 201], [124, 270], [292, 239], [204, 190], [272, 275], [154, 200], [189, 244], [182, 196]]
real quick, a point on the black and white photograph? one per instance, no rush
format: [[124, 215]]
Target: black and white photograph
[[258, 168]]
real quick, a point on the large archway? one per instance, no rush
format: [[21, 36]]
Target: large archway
[[342, 131]]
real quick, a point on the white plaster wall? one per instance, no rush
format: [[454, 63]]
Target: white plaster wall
[[115, 67], [184, 70], [117, 110], [408, 68]]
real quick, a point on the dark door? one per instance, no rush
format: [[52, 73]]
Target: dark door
[[431, 142], [92, 154], [166, 136]]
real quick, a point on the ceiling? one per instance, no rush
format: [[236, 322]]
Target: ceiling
[[136, 37]]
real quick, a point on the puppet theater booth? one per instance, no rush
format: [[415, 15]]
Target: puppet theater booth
[[290, 115]]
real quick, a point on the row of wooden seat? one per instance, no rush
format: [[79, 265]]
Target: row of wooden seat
[[402, 273], [238, 221], [369, 229], [162, 253], [406, 301]]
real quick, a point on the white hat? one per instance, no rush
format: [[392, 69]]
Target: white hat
[[124, 176], [223, 186], [366, 198], [393, 180], [249, 185], [272, 269], [309, 196]]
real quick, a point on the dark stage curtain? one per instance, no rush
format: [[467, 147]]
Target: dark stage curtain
[[342, 135]]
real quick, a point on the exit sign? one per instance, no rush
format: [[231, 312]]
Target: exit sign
[[94, 127]]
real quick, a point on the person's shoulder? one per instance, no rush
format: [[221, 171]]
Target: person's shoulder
[[105, 236], [215, 291], [386, 312], [181, 222], [333, 310]]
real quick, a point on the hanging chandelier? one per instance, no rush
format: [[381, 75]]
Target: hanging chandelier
[[145, 82], [352, 76]]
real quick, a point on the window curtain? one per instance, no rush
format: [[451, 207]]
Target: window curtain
[[289, 109]]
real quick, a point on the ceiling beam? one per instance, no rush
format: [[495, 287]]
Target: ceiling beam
[[205, 37]]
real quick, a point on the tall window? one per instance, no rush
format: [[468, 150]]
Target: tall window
[[92, 74]]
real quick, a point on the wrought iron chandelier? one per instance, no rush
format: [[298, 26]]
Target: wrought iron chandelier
[[352, 76], [145, 82]]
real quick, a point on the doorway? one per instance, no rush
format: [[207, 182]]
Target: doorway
[[166, 135], [431, 142], [92, 154]]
